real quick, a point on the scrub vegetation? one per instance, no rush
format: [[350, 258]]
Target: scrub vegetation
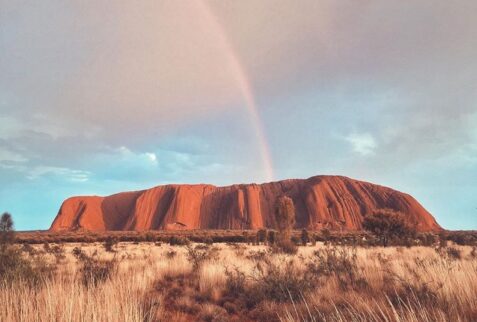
[[429, 278]]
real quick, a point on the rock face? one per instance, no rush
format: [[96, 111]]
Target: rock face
[[332, 202]]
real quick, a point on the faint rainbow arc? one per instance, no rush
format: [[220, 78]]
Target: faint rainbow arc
[[245, 89]]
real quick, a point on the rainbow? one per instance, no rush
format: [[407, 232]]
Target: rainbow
[[244, 86]]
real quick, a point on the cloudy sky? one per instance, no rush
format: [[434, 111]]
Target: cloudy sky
[[98, 97]]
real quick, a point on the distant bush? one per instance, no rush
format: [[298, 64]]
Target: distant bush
[[305, 237], [178, 241], [428, 239], [286, 247], [7, 235], [109, 244], [272, 237], [325, 234], [461, 238], [285, 218], [149, 237], [387, 225], [208, 241], [262, 236]]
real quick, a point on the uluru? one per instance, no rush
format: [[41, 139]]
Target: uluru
[[333, 202]]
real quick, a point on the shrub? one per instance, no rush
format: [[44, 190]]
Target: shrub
[[46, 247], [149, 237], [338, 262], [14, 267], [279, 280], [198, 254], [257, 255], [285, 217], [78, 252], [296, 240], [178, 241], [262, 235], [271, 237], [6, 230], [428, 239], [305, 237], [58, 252], [313, 241], [170, 254], [325, 234], [234, 281], [27, 248], [442, 241], [388, 224], [238, 249], [208, 241], [94, 271], [454, 253], [109, 243], [287, 247]]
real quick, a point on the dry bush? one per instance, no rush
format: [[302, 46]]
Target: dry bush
[[286, 247], [109, 244], [339, 262], [200, 253], [15, 268], [93, 270], [170, 254], [305, 237], [178, 241], [454, 253], [63, 296], [338, 283], [239, 249], [473, 253], [278, 280]]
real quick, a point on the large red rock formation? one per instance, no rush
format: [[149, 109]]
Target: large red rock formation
[[333, 202]]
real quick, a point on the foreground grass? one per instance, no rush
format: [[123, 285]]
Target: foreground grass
[[231, 282]]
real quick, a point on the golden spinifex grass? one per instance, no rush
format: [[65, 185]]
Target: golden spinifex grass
[[233, 282]]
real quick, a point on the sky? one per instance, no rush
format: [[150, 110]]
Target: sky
[[98, 97]]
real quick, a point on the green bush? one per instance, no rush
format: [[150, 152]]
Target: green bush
[[387, 224]]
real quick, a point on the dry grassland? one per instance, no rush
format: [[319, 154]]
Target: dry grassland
[[234, 282]]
